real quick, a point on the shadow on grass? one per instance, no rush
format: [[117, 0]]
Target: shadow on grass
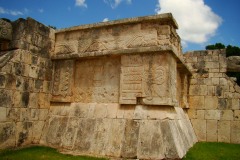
[[40, 153]]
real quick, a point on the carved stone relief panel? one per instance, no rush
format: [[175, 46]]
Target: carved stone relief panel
[[107, 40], [145, 78], [63, 80], [97, 80], [131, 79], [66, 47]]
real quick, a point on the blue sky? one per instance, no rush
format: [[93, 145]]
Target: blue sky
[[201, 22]]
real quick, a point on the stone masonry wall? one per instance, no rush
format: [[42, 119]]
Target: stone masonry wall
[[213, 98], [25, 83]]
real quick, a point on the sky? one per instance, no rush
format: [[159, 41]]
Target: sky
[[201, 22]]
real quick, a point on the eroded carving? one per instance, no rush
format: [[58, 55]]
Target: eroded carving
[[63, 77], [66, 47], [97, 80], [131, 78], [143, 76]]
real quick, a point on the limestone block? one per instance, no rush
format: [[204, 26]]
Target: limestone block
[[26, 57], [212, 131], [17, 99], [198, 90], [2, 81], [42, 101], [33, 71], [23, 133], [38, 85], [115, 137], [34, 114], [215, 81], [85, 135], [200, 114], [112, 109], [7, 135], [197, 102], [211, 90], [55, 129], [212, 65], [227, 115], [7, 68], [224, 129], [37, 131], [200, 127], [91, 110], [25, 114], [182, 139], [235, 103], [13, 114], [120, 112], [192, 113], [69, 134], [237, 115], [128, 111], [100, 111], [223, 82], [140, 112], [212, 114], [179, 113], [211, 102], [3, 114], [222, 103], [235, 132], [130, 141], [79, 110], [102, 128], [5, 98], [43, 113], [163, 112], [25, 99], [33, 100], [150, 141]]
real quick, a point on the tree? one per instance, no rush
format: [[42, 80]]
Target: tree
[[232, 51], [215, 46]]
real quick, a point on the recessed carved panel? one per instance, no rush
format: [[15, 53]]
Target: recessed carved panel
[[97, 80], [63, 78], [144, 77], [66, 47]]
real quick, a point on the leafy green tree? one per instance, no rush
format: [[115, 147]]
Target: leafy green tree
[[232, 51], [215, 46]]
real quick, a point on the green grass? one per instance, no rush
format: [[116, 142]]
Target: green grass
[[200, 151], [213, 151], [40, 153]]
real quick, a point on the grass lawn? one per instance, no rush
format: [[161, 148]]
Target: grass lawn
[[200, 151], [213, 151], [40, 153]]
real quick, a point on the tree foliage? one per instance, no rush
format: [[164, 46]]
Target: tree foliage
[[230, 50], [215, 46]]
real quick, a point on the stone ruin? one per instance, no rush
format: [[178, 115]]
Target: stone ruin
[[118, 89]]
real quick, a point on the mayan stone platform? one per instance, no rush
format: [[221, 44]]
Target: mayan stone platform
[[118, 89]]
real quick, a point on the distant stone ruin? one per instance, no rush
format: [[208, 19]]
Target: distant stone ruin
[[118, 89]]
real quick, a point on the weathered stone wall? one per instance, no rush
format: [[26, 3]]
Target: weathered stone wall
[[213, 98], [115, 91], [25, 82], [114, 130]]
